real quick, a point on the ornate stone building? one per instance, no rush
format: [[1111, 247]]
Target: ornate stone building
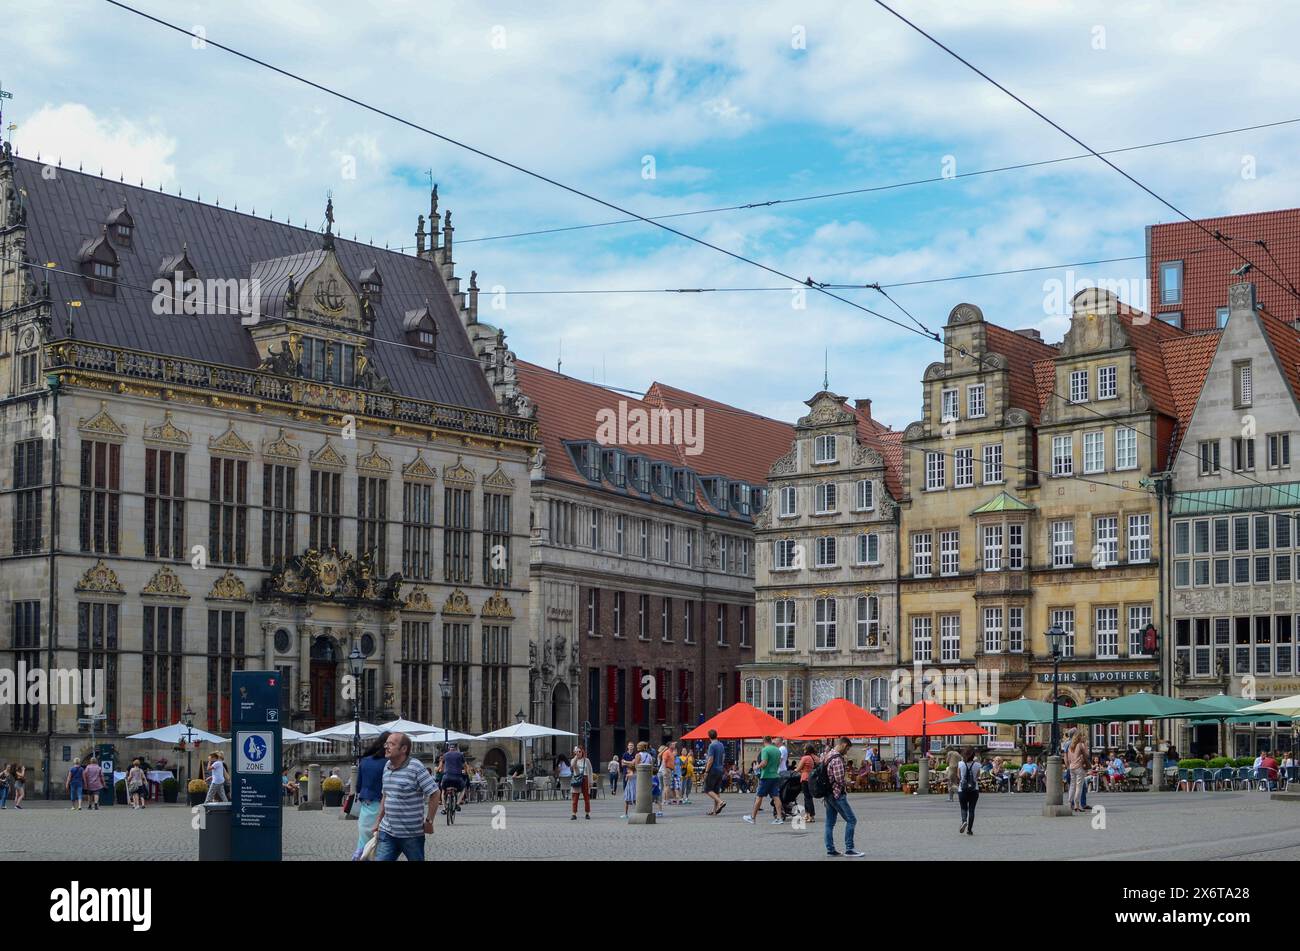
[[827, 565], [1234, 545], [642, 576], [232, 443], [1028, 501]]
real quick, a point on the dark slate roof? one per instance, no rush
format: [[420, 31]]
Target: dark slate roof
[[66, 212]]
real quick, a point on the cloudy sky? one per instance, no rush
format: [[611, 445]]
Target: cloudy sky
[[672, 106]]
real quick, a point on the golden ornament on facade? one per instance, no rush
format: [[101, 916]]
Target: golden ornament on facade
[[229, 588], [229, 442], [374, 462], [165, 583], [458, 473], [497, 606], [166, 433], [418, 600], [100, 578], [457, 604], [328, 457], [498, 479], [418, 470], [282, 447], [102, 424]]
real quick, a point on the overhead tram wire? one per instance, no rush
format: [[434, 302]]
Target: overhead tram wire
[[573, 190], [1079, 142]]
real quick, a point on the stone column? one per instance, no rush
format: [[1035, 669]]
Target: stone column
[[312, 802], [304, 665], [1158, 771], [923, 776], [1054, 806], [643, 811], [352, 787]]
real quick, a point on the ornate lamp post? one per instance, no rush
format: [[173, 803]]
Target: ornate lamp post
[[189, 741], [356, 662], [520, 718], [445, 686], [1053, 806]]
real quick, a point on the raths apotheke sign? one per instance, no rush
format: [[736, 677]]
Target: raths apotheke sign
[[1101, 676]]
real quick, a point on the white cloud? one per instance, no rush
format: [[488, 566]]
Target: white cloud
[[73, 134]]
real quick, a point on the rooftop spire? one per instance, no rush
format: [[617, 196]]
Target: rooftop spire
[[328, 243]]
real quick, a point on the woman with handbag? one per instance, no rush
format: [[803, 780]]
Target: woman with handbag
[[580, 780], [370, 788]]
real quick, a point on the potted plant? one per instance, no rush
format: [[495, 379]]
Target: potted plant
[[1193, 763], [909, 773], [169, 790], [196, 791], [333, 792]]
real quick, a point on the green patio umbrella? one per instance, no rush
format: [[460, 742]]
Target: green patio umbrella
[[1023, 710], [1225, 709], [1136, 706]]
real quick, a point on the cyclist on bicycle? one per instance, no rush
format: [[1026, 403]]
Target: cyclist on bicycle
[[453, 772]]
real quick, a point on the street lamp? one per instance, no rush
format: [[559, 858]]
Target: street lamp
[[189, 741], [445, 686], [520, 718], [356, 662], [1056, 643]]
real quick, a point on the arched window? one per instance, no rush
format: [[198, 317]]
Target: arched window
[[855, 691]]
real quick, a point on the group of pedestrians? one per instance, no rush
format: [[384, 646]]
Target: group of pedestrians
[[84, 782], [13, 776]]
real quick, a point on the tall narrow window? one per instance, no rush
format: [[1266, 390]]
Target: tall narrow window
[[993, 463], [417, 671], [1015, 547], [865, 495], [26, 716], [826, 624], [161, 683], [922, 639], [1106, 385], [494, 708], [372, 520], [164, 503], [456, 669], [1065, 618], [868, 622], [1094, 451], [279, 496], [97, 647], [950, 638], [326, 505], [101, 483], [1106, 632], [496, 540], [1016, 630], [456, 536], [992, 630], [992, 547], [949, 552], [1062, 455], [417, 531], [922, 554], [1139, 538], [29, 473], [975, 400], [934, 471], [1105, 541], [225, 653], [1126, 449], [1079, 386], [963, 468], [783, 625], [228, 511], [1063, 544]]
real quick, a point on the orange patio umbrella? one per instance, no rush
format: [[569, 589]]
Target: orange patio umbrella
[[837, 717], [926, 719], [740, 721]]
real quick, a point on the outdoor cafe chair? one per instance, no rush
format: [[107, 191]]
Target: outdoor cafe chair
[[1223, 778], [1262, 781], [1245, 777], [1135, 778], [1290, 774], [1198, 776], [1184, 779]]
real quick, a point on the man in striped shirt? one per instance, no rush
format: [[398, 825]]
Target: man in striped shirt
[[404, 817], [837, 803]]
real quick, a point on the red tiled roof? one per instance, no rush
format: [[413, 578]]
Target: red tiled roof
[[735, 443], [1044, 380], [1147, 337], [1021, 353], [1208, 264], [885, 441], [1286, 344], [1186, 360]]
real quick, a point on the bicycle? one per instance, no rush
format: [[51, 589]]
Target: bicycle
[[450, 805]]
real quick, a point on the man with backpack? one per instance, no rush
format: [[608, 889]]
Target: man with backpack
[[828, 783]]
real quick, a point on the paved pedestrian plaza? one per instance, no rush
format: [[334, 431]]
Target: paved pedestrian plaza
[[1134, 826]]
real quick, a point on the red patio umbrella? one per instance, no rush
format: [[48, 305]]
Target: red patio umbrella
[[926, 719], [740, 721], [834, 718]]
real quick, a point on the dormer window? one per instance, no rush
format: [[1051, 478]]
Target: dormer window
[[682, 485], [611, 461], [586, 455], [99, 264], [121, 226], [663, 480], [638, 472], [420, 330], [372, 284]]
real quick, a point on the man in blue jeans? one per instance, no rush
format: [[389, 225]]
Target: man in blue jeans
[[837, 803], [404, 820]]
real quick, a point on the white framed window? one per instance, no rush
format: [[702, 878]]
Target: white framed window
[[724, 552], [1105, 632], [868, 548], [1016, 630], [1078, 386], [866, 495], [1015, 547], [645, 538], [1105, 541], [922, 639], [753, 692], [963, 468], [1094, 451], [855, 691], [934, 470], [1063, 544], [825, 494], [992, 547], [746, 546], [1139, 616], [825, 624], [774, 697], [949, 638], [1065, 618], [1245, 384], [824, 449], [1139, 538], [993, 464], [992, 630], [785, 553], [949, 552], [975, 400], [688, 622], [1062, 455], [593, 526], [690, 546], [951, 410], [1209, 452], [788, 509], [1279, 450], [620, 522], [1107, 383], [922, 554], [783, 625], [827, 557], [668, 545], [868, 622], [1171, 282], [1243, 454], [1126, 448]]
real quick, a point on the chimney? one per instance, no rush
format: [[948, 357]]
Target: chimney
[[1031, 334], [864, 407]]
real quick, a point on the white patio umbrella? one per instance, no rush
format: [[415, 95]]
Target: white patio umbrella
[[293, 736], [408, 727], [177, 733], [523, 730], [344, 731], [1283, 706], [438, 735]]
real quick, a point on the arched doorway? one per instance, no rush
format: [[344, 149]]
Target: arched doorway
[[324, 660], [495, 760], [561, 713]]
